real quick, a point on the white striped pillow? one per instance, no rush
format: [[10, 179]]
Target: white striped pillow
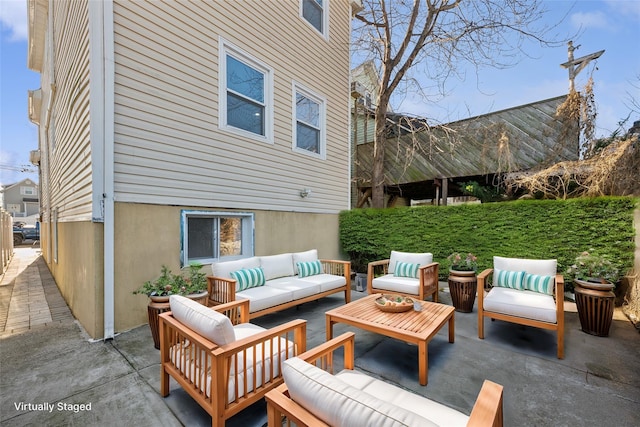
[[509, 279], [406, 269], [248, 278], [309, 268], [537, 283]]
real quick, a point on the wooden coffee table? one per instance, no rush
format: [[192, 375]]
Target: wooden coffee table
[[416, 327]]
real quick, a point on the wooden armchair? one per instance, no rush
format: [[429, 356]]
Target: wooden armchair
[[237, 371], [523, 291], [384, 277], [354, 398]]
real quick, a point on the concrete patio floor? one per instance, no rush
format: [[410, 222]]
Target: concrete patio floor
[[52, 374]]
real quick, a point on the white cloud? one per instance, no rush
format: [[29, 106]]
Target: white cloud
[[628, 8], [585, 20], [13, 19]]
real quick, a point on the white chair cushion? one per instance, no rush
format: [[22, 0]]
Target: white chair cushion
[[339, 404], [527, 304], [307, 256], [224, 269], [299, 288], [263, 297], [542, 267], [433, 411], [409, 257], [325, 281], [389, 282], [214, 326], [275, 266]]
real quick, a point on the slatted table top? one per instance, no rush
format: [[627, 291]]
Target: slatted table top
[[409, 325]]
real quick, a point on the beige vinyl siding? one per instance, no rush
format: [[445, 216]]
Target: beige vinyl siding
[[69, 163], [168, 148]]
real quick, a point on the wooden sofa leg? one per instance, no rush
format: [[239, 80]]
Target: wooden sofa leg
[[560, 345], [480, 326], [164, 382]]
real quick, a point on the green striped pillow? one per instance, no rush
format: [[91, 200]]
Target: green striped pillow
[[509, 279], [541, 284], [248, 278], [406, 269], [309, 268]]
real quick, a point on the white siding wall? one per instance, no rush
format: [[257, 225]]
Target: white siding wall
[[168, 148], [65, 144]]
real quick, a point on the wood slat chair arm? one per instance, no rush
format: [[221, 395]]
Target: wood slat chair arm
[[373, 268], [487, 411], [221, 290]]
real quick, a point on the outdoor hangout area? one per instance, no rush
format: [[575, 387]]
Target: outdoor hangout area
[[443, 375]]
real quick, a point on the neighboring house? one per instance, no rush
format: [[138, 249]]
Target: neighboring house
[[21, 199], [173, 132], [432, 162]]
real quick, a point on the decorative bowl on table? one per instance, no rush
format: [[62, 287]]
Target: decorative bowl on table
[[394, 303]]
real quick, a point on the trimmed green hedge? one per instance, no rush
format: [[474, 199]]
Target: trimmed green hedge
[[541, 229]]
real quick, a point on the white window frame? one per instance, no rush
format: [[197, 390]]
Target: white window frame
[[248, 235], [325, 18], [322, 102], [31, 191], [226, 48]]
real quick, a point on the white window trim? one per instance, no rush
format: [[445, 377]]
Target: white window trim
[[226, 48], [248, 234], [325, 19], [322, 101]]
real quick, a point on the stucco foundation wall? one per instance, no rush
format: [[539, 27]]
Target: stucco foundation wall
[[148, 236], [78, 271]]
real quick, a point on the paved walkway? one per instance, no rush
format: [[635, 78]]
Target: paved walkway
[[29, 297]]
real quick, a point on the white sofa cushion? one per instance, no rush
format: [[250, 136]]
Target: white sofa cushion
[[339, 404], [409, 257], [389, 282], [224, 268], [326, 281], [433, 411], [299, 288], [275, 266], [264, 297], [527, 304], [214, 326], [306, 256], [542, 267]]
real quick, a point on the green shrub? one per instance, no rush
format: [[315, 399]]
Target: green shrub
[[541, 229]]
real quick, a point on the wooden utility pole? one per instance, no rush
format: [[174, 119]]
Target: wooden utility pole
[[576, 65]]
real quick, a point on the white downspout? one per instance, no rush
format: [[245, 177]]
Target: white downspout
[[109, 187], [101, 133]]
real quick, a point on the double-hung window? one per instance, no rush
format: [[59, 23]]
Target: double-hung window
[[316, 13], [309, 123], [246, 104], [209, 236]]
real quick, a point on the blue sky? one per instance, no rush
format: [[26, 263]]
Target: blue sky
[[612, 25]]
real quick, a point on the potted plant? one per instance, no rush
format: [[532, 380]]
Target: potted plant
[[462, 280], [193, 284], [462, 263], [594, 277]]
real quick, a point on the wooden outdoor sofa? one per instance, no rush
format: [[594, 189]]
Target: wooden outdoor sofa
[[314, 397], [278, 282], [224, 365]]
